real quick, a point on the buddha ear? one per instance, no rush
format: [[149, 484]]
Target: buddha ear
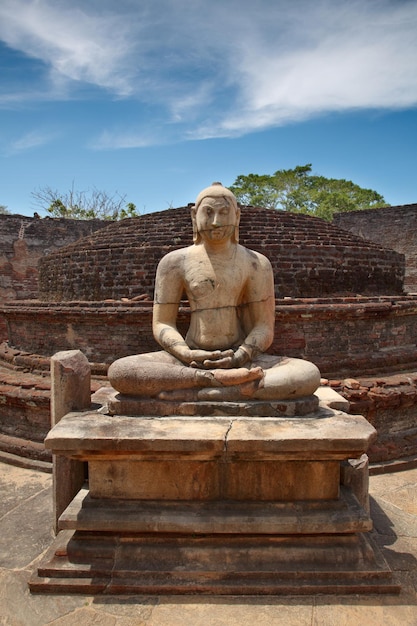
[[196, 234], [236, 230]]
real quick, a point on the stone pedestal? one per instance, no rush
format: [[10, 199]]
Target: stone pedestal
[[220, 505]]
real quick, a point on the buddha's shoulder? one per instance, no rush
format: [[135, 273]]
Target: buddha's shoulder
[[252, 256], [175, 256]]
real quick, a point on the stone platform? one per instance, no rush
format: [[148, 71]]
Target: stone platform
[[224, 505]]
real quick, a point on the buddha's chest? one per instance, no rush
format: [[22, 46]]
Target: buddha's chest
[[214, 284]]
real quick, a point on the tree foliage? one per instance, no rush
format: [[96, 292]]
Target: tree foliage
[[4, 210], [299, 191], [84, 205]]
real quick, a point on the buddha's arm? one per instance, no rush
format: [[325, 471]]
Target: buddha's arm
[[262, 334], [258, 313], [168, 291]]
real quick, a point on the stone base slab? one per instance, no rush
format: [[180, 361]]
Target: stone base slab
[[212, 564], [118, 404], [325, 435]]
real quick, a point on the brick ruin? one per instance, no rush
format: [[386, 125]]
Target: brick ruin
[[393, 227], [23, 241], [340, 303], [310, 257]]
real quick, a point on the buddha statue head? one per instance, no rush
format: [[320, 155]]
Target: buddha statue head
[[216, 195]]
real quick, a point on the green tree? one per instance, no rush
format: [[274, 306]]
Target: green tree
[[84, 205], [3, 210], [299, 191]]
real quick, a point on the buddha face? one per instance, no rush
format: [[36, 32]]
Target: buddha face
[[215, 219]]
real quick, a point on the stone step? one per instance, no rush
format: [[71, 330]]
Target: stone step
[[223, 564], [344, 515]]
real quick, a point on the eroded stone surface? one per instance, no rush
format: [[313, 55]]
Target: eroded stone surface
[[70, 389], [182, 479], [25, 504]]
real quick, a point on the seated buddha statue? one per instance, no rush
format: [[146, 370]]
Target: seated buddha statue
[[230, 290]]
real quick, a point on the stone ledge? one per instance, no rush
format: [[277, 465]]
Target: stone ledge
[[25, 462], [326, 516], [327, 434]]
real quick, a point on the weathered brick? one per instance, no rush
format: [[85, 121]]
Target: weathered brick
[[392, 227], [120, 261]]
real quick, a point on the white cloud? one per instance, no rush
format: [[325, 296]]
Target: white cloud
[[225, 67], [30, 140], [351, 58], [75, 44]]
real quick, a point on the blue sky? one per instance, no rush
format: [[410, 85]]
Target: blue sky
[[155, 99]]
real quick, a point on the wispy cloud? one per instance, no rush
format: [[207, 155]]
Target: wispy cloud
[[227, 67], [76, 44], [132, 138], [28, 141], [333, 57]]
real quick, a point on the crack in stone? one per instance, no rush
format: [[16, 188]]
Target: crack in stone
[[226, 436]]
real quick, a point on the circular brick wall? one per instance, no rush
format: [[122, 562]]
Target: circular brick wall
[[310, 257]]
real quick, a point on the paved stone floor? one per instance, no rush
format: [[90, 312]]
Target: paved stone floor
[[25, 533]]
